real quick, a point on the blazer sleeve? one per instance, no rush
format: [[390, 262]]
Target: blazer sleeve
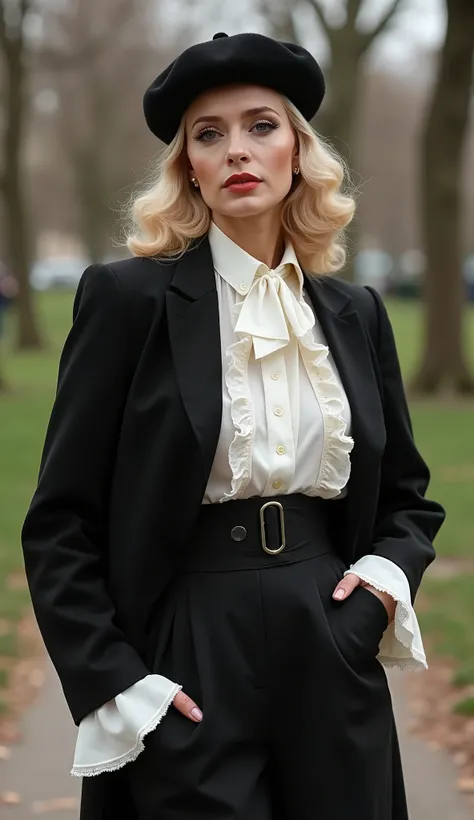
[[64, 535], [406, 521]]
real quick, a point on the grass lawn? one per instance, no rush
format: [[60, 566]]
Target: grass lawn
[[443, 433]]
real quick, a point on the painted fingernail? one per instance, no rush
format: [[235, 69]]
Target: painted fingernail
[[340, 594], [196, 713]]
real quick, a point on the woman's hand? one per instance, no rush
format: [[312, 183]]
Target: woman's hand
[[187, 707], [351, 581]]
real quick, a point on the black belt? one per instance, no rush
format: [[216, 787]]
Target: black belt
[[257, 533]]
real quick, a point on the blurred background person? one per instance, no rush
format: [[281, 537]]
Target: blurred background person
[[8, 292]]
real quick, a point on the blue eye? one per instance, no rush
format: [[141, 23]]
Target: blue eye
[[209, 134], [267, 125], [204, 133]]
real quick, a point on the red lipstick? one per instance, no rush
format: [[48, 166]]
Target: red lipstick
[[242, 183]]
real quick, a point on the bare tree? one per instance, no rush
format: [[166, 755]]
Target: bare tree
[[99, 80], [13, 51], [443, 367], [348, 44]]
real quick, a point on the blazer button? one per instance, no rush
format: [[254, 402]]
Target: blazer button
[[238, 533]]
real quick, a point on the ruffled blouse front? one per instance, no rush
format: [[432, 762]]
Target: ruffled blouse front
[[280, 385]]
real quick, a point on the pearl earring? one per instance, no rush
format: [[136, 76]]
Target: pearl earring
[[296, 169], [195, 182]]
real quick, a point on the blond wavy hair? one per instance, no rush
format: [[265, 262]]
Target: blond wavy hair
[[163, 218]]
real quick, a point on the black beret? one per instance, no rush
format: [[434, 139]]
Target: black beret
[[243, 58]]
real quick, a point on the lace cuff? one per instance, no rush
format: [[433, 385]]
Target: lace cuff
[[401, 645], [112, 736]]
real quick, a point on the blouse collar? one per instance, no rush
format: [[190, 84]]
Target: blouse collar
[[238, 267]]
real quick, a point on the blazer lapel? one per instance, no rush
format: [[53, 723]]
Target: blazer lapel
[[193, 320], [347, 341]]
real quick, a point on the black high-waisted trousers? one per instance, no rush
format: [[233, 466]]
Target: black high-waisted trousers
[[297, 715]]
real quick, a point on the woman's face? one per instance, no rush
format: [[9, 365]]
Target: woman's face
[[240, 130]]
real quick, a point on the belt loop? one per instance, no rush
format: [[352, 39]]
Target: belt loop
[[282, 527]]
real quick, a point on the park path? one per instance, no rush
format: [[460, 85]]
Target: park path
[[38, 769]]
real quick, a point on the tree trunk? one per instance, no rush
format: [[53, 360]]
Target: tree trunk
[[90, 188], [16, 223], [28, 335], [86, 144], [443, 369], [338, 119]]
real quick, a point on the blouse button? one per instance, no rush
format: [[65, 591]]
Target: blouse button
[[275, 376], [281, 450], [278, 411], [243, 287], [276, 484]]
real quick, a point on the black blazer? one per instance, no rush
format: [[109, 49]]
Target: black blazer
[[130, 445]]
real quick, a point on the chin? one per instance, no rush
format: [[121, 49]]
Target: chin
[[247, 206]]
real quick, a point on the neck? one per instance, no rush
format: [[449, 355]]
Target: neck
[[261, 236]]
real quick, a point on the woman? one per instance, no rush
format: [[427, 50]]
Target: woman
[[230, 517], [8, 293]]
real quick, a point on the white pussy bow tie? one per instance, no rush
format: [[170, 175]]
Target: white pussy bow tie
[[271, 312]]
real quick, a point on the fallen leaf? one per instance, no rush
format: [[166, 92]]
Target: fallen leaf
[[469, 728], [461, 758], [37, 677], [10, 732], [56, 804], [17, 580], [10, 798]]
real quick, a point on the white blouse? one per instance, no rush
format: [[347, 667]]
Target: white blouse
[[285, 429]]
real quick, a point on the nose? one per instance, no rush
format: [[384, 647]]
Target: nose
[[235, 157], [236, 152]]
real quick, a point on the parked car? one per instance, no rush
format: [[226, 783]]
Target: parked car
[[409, 273], [57, 272], [373, 266]]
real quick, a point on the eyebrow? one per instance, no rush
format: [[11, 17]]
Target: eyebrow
[[248, 113]]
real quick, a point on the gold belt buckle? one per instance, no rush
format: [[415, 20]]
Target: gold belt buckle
[[282, 527]]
